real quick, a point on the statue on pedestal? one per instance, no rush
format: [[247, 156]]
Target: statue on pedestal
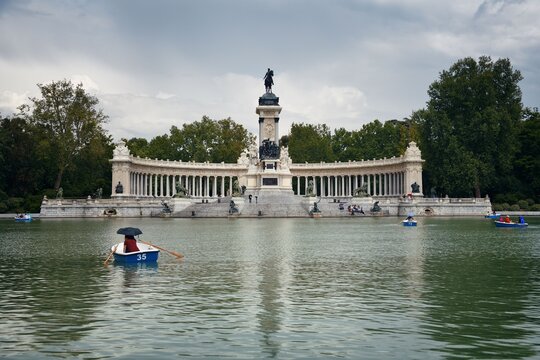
[[309, 190], [236, 188], [315, 209], [181, 191], [268, 80], [361, 191], [376, 207], [232, 208], [415, 188], [119, 188]]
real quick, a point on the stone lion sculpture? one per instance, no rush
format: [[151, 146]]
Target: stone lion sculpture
[[181, 191], [361, 191]]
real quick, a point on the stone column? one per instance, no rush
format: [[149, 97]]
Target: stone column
[[146, 184], [222, 185]]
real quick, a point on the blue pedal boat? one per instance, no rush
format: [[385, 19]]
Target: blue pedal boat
[[492, 216], [146, 254], [23, 218], [407, 222], [510, 224]]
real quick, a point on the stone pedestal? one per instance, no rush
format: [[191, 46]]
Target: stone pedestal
[[365, 202], [179, 204], [312, 202]]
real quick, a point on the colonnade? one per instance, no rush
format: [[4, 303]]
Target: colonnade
[[163, 185], [136, 177], [379, 184]]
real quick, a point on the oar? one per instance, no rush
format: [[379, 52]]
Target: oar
[[174, 253], [108, 257]]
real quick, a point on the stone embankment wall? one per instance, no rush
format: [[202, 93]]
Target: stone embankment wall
[[265, 206]]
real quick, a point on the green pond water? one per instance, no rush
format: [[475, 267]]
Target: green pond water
[[354, 288]]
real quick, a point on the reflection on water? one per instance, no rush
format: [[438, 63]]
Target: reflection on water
[[479, 294], [272, 288]]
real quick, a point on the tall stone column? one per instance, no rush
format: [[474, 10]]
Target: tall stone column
[[268, 111]]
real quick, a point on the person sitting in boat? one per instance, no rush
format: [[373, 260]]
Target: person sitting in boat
[[521, 220], [130, 244], [501, 219], [507, 219], [410, 218]]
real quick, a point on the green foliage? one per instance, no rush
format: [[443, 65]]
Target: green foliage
[[68, 120], [373, 141], [138, 147], [32, 203], [527, 164], [523, 204], [200, 141], [514, 207], [501, 206], [91, 169], [22, 171], [310, 143], [16, 204], [57, 141], [470, 127], [511, 198]]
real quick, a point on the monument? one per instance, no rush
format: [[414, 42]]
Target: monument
[[268, 169]]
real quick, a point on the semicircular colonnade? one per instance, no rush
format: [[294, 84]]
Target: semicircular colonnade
[[389, 177]]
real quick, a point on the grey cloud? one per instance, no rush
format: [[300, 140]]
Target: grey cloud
[[210, 55]]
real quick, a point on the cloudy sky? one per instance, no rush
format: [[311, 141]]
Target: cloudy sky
[[157, 63]]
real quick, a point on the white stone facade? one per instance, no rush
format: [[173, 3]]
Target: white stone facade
[[158, 178]]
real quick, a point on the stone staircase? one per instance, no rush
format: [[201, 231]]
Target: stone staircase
[[269, 204]]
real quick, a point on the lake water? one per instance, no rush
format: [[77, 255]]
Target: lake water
[[355, 288]]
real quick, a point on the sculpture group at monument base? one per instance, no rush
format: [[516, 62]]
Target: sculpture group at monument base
[[263, 204]]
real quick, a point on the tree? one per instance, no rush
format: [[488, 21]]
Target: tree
[[344, 146], [210, 140], [91, 169], [68, 117], [22, 171], [474, 112], [527, 164], [374, 140], [310, 143], [200, 141]]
